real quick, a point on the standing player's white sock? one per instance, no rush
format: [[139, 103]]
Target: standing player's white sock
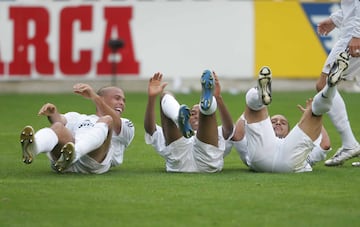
[[170, 106], [329, 92], [323, 100], [253, 100], [90, 139], [45, 140], [339, 118], [212, 108]]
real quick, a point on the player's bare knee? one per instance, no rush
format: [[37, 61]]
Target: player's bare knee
[[63, 134], [57, 127]]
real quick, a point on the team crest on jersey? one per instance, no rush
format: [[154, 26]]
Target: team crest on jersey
[[317, 12], [86, 123], [129, 123]]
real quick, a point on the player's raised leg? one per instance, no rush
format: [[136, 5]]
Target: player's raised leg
[[208, 84], [183, 121]]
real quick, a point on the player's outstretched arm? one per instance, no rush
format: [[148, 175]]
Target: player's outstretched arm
[[52, 113], [226, 119], [155, 88], [102, 108]]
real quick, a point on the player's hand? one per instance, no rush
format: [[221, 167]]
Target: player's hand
[[47, 110], [325, 27], [308, 105], [84, 90], [217, 89], [156, 86], [354, 47], [301, 108]]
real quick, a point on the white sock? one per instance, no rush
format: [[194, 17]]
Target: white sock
[[45, 140], [323, 100], [253, 100], [170, 106], [212, 108], [329, 92], [90, 139], [339, 118]]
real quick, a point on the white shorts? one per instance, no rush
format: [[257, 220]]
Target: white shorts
[[192, 155], [268, 153], [87, 165], [179, 156], [353, 71], [188, 155], [208, 158]]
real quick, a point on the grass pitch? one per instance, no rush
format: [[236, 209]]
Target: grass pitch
[[141, 193]]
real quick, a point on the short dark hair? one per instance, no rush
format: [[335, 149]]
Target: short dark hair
[[104, 89]]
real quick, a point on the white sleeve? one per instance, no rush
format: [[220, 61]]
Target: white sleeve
[[127, 131], [337, 18], [241, 148], [228, 141], [220, 133], [120, 142], [228, 147], [356, 31], [71, 120], [157, 140]]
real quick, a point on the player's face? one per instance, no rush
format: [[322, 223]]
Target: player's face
[[194, 117], [115, 98], [280, 125]]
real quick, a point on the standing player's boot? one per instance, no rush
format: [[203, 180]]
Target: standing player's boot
[[207, 85], [264, 85], [342, 155], [340, 65], [66, 157], [183, 122], [27, 144], [356, 164]]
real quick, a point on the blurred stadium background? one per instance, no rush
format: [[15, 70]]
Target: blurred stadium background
[[48, 45]]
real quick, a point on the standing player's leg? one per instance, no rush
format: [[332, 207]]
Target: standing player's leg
[[350, 147]]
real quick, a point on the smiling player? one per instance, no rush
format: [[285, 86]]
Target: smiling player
[[82, 143]]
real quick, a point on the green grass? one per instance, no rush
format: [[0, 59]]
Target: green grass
[[141, 193]]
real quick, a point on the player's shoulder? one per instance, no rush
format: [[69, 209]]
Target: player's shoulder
[[127, 122], [72, 114]]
